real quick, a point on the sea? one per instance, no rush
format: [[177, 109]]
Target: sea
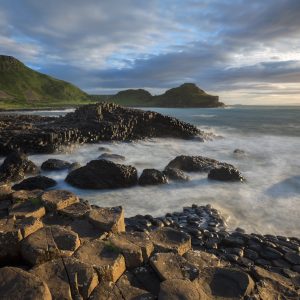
[[267, 203]]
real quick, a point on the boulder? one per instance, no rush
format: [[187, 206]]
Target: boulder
[[67, 278], [35, 183], [76, 211], [104, 257], [195, 163], [108, 219], [112, 157], [225, 173], [103, 174], [180, 289], [48, 243], [53, 164], [167, 239], [58, 199], [152, 177], [15, 166], [175, 174], [173, 266], [16, 284]]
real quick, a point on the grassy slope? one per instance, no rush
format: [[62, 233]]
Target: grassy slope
[[22, 87]]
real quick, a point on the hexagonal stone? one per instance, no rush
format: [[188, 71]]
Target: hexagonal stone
[[179, 289], [67, 278], [108, 219], [29, 225], [105, 258], [16, 284], [202, 259], [48, 243], [29, 208], [76, 211], [106, 290], [167, 239], [22, 195], [173, 266], [58, 199]]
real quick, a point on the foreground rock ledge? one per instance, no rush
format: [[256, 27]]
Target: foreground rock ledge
[[74, 250]]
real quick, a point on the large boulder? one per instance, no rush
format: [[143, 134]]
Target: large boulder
[[35, 183], [103, 174], [15, 166], [53, 164], [195, 163], [152, 177], [225, 173], [16, 284]]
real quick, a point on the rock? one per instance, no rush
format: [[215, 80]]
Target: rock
[[29, 225], [135, 246], [108, 219], [202, 259], [226, 283], [74, 166], [35, 183], [225, 174], [170, 240], [15, 166], [48, 243], [239, 151], [178, 289], [112, 157], [173, 266], [106, 290], [53, 164], [16, 284], [152, 177], [5, 191], [30, 208], [195, 163], [293, 258], [103, 174], [104, 257], [281, 263], [270, 253], [175, 174], [104, 149], [58, 199], [23, 195], [67, 278], [76, 211]]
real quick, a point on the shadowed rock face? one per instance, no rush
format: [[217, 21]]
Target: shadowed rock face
[[89, 124]]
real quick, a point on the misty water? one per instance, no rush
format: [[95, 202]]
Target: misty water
[[267, 203]]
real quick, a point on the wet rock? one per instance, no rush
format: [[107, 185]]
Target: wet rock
[[112, 157], [16, 284], [270, 253], [15, 166], [175, 174], [35, 183], [179, 289], [103, 174], [76, 211], [108, 219], [152, 177], [170, 240], [233, 241], [53, 164], [173, 266], [104, 149], [58, 199], [74, 166], [225, 174], [293, 258], [48, 243], [104, 257], [239, 152], [281, 263], [195, 163], [251, 254], [67, 278]]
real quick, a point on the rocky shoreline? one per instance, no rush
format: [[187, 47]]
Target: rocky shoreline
[[57, 246]]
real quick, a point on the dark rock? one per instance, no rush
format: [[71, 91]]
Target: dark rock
[[251, 254], [270, 253], [53, 164], [35, 183], [112, 157], [195, 163], [293, 258], [15, 166], [103, 174], [239, 151], [76, 210], [225, 174], [152, 177], [175, 174], [74, 166]]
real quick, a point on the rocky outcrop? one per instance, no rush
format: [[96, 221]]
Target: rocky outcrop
[[89, 124], [103, 174], [53, 164], [225, 174], [152, 177]]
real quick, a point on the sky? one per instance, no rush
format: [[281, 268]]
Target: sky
[[245, 51]]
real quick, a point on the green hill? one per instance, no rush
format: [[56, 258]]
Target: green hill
[[186, 95], [22, 87]]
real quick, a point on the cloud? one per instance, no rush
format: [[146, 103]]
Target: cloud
[[226, 47]]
